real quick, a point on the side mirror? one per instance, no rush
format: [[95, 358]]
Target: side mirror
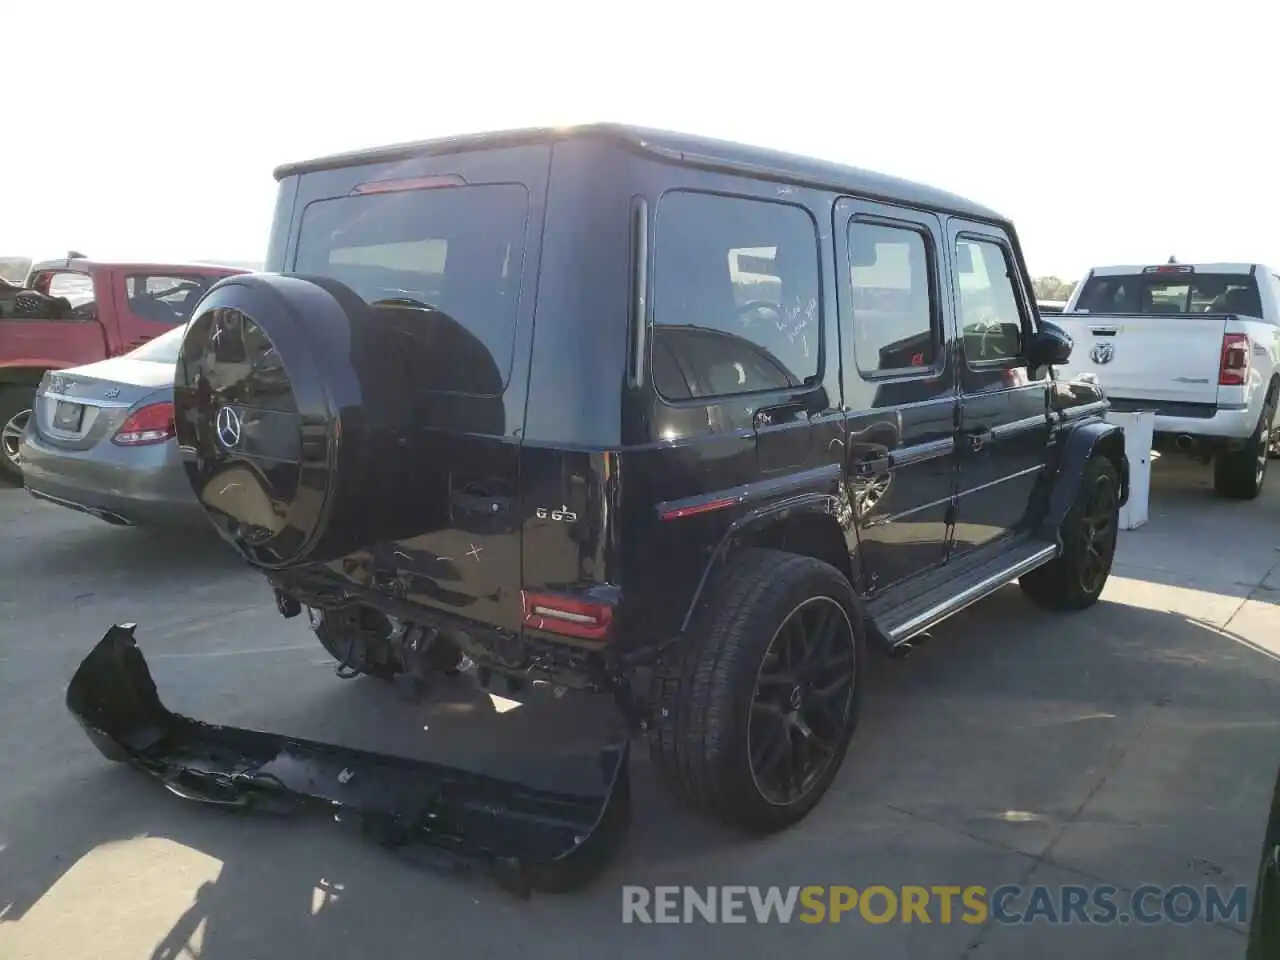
[[1050, 346]]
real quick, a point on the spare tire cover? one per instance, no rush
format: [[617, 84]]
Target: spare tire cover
[[296, 419]]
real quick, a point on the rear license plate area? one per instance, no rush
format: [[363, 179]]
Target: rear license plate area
[[68, 416]]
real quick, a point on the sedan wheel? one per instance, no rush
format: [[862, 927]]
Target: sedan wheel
[[11, 438]]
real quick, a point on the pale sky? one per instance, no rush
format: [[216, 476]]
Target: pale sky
[[1110, 132]]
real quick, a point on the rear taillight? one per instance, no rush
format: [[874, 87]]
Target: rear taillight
[[1233, 369], [567, 616], [150, 424]]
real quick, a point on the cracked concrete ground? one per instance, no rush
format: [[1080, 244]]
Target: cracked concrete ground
[[1134, 743]]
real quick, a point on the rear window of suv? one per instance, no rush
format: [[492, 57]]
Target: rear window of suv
[[457, 249], [1171, 294]]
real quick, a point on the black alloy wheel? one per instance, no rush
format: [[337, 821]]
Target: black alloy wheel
[[1098, 533], [753, 713], [803, 695], [1076, 577]]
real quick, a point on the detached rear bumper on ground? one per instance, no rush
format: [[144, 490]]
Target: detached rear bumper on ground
[[529, 838]]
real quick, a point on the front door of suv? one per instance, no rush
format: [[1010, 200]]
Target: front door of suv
[[899, 387], [1003, 423]]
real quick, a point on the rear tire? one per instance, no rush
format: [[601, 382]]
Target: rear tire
[[752, 722], [1239, 474], [1075, 578], [15, 408]]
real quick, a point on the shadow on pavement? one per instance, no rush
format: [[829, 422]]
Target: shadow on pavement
[[137, 552], [980, 716]]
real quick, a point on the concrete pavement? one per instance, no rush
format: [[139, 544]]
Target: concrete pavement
[[1134, 743]]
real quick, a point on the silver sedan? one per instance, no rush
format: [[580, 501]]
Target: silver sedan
[[100, 439]]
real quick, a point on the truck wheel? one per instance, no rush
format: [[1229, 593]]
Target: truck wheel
[[753, 721], [1074, 579], [1238, 475], [15, 409]]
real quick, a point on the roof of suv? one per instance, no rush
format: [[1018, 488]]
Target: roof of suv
[[678, 148]]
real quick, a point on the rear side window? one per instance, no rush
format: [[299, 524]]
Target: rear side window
[[454, 253], [163, 298], [1171, 294], [735, 299], [990, 321], [893, 327]]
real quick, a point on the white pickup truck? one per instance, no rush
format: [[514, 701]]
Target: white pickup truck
[[1199, 344]]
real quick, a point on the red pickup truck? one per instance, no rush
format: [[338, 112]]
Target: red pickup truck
[[77, 311]]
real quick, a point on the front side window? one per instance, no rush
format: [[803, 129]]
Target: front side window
[[736, 297], [990, 320], [893, 312]]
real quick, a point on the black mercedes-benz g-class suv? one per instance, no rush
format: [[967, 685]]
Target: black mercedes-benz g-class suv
[[680, 421]]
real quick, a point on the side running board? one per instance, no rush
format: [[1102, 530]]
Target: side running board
[[529, 838], [899, 622]]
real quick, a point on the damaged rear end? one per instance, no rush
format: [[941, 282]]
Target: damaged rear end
[[352, 422], [527, 838]]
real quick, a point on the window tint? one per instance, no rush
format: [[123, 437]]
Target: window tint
[[1152, 293], [990, 320], [735, 303], [892, 298], [162, 298], [451, 255]]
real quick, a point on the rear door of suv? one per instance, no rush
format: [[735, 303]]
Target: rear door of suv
[[899, 387], [457, 232]]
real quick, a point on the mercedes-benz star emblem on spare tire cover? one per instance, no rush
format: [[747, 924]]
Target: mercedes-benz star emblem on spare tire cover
[[228, 426]]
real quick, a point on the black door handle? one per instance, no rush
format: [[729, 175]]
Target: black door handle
[[479, 498], [772, 416], [870, 467], [978, 438]]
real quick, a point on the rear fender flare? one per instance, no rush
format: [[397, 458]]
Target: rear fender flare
[[1078, 446], [828, 507]]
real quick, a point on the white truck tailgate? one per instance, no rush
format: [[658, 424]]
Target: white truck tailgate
[[1148, 356]]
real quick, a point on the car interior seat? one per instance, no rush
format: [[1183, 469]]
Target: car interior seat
[[1242, 300]]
